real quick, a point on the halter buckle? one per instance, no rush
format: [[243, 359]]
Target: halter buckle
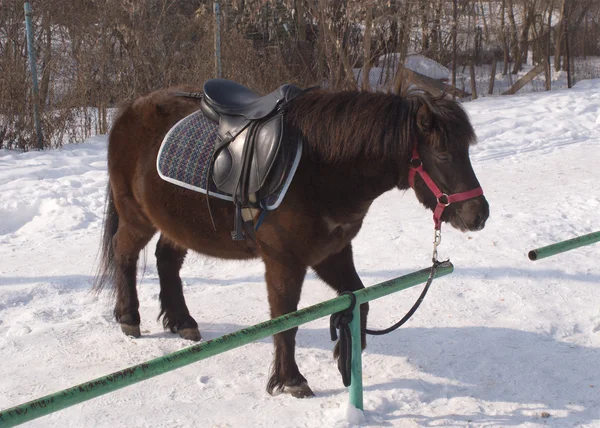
[[440, 201], [415, 163]]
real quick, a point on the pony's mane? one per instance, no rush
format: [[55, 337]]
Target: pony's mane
[[346, 126]]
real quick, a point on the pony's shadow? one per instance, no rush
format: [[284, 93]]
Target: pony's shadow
[[533, 372]]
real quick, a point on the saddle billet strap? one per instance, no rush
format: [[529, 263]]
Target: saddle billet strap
[[247, 158], [241, 197]]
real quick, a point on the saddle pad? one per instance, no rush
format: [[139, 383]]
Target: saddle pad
[[185, 155]]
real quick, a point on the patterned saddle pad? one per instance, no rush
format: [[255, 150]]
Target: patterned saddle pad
[[185, 155]]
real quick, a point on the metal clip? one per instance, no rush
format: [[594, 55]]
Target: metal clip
[[437, 240]]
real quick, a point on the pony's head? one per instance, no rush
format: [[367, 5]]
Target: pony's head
[[442, 135]]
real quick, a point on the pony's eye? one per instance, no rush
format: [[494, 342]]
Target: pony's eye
[[444, 157]]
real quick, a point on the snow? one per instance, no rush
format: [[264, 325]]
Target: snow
[[385, 70], [497, 343], [382, 75]]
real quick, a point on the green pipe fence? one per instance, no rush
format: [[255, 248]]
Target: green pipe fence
[[103, 385], [561, 247]]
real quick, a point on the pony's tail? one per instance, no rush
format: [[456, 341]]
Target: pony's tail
[[107, 268]]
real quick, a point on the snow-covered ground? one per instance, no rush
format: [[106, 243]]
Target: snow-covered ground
[[498, 343]]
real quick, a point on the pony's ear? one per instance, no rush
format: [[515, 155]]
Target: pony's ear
[[424, 119]]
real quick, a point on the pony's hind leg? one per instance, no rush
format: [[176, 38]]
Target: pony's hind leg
[[127, 244], [284, 284], [176, 317]]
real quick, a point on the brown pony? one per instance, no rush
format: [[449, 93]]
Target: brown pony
[[357, 145]]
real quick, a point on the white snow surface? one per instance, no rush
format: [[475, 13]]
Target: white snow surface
[[496, 344]]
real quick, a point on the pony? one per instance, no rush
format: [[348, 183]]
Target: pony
[[356, 146]]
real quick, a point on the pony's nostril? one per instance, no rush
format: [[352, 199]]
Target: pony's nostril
[[479, 220]]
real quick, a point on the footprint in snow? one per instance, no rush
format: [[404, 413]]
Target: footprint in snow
[[18, 330]]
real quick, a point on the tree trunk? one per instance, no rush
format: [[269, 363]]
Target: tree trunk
[[454, 31], [547, 57], [514, 41], [47, 59], [435, 32], [473, 81], [559, 37], [528, 17], [486, 31], [367, 50], [403, 41], [301, 21], [492, 77], [424, 26], [504, 38]]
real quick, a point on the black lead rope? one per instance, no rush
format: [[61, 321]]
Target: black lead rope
[[341, 320], [434, 268]]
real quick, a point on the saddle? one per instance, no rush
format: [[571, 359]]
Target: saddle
[[251, 153]]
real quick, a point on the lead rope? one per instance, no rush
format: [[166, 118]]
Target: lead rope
[[341, 320], [437, 240]]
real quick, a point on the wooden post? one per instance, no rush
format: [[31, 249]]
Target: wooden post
[[492, 77], [473, 82], [525, 79]]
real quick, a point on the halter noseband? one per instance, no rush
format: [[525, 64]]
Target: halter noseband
[[443, 200]]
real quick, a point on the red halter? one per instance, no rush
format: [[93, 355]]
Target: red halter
[[443, 200]]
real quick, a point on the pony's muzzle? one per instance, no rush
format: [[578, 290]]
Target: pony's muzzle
[[472, 214]]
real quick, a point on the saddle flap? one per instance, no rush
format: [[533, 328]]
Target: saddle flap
[[263, 145], [266, 148], [229, 163]]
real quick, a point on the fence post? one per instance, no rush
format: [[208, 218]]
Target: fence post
[[356, 385], [33, 66]]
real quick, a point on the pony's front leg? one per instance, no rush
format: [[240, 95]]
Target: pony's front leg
[[339, 273], [284, 277]]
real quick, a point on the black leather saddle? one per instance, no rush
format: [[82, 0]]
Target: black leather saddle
[[253, 148]]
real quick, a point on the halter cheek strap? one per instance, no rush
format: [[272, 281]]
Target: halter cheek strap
[[443, 200]]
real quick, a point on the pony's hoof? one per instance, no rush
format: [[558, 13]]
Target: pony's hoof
[[300, 391], [190, 334], [131, 330]]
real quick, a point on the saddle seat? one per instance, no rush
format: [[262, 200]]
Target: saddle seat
[[232, 99]]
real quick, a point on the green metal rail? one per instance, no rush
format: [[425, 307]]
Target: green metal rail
[[561, 247], [103, 385]]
